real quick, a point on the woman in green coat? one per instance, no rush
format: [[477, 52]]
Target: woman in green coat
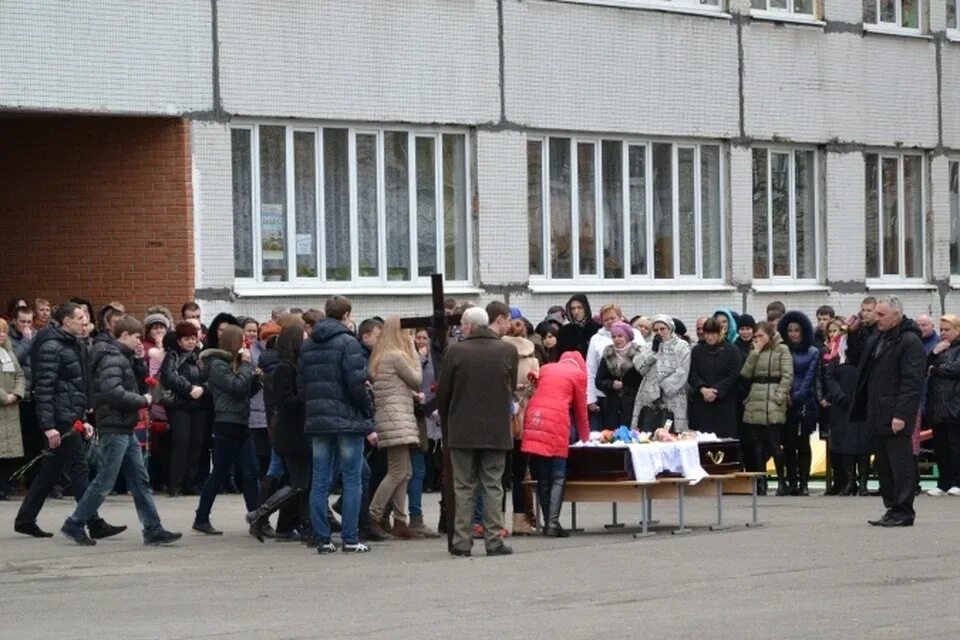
[[769, 370]]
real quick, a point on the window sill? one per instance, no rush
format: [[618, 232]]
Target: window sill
[[271, 290], [953, 35], [567, 286], [653, 5], [891, 30], [782, 16], [900, 286], [789, 287]]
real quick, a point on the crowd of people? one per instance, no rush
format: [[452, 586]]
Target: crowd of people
[[310, 403]]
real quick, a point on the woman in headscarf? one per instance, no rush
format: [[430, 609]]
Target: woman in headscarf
[[663, 392], [617, 377]]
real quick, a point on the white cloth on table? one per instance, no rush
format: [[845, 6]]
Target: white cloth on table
[[681, 457]]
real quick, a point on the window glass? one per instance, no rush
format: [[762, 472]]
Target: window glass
[[305, 192], [336, 187], [586, 191], [687, 220], [273, 203], [663, 210], [872, 217], [780, 212], [612, 171], [426, 207], [397, 205], [806, 207], [637, 157], [561, 245], [913, 216], [368, 232], [761, 255], [242, 204], [535, 205], [890, 223], [955, 218], [455, 206], [711, 211]]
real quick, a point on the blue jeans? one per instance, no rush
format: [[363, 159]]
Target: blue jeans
[[121, 453], [415, 487], [276, 468], [227, 451], [328, 450]]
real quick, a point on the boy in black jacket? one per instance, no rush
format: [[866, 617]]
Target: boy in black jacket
[[118, 401]]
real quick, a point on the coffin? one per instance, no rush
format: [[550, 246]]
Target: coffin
[[612, 464]]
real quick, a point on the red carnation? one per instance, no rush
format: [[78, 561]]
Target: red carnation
[[78, 427], [532, 377], [433, 387], [151, 381]]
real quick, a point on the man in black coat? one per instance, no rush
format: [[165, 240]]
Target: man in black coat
[[118, 401], [887, 396], [60, 379]]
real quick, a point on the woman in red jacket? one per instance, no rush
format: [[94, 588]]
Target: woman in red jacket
[[561, 388]]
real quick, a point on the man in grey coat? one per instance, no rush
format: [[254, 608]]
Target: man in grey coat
[[475, 401]]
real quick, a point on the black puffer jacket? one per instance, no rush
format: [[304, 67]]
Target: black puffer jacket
[[60, 379], [332, 378], [943, 392], [116, 389], [179, 373], [231, 391], [889, 378]]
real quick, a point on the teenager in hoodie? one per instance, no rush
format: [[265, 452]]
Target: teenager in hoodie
[[796, 327], [561, 388], [576, 334], [728, 324]]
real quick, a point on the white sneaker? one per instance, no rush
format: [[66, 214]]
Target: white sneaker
[[953, 491], [937, 492]]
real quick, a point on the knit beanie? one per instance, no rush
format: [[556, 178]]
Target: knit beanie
[[156, 318], [621, 328], [746, 320], [665, 319]]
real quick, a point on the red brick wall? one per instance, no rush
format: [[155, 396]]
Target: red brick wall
[[99, 207]]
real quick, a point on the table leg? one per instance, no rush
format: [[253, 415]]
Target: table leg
[[719, 526], [573, 517], [681, 491], [644, 515], [754, 522], [615, 524]]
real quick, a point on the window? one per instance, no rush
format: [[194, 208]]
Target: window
[[955, 218], [624, 210], [785, 214], [340, 204], [894, 216], [781, 6], [897, 14], [953, 14]]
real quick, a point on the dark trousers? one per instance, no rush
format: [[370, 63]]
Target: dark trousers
[[33, 439], [946, 445], [70, 459], [795, 442], [764, 443], [296, 513], [226, 451], [896, 468], [187, 429], [519, 462], [551, 475]]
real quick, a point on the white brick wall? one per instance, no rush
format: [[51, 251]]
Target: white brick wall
[[802, 84], [591, 68], [502, 194], [938, 218], [843, 10], [845, 222], [425, 61], [106, 57], [740, 246], [951, 96]]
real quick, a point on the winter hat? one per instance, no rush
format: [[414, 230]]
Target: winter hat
[[515, 313], [156, 318], [746, 320], [678, 327], [665, 319], [621, 328], [269, 329]]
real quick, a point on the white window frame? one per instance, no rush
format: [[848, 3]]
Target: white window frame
[[896, 27], [953, 30], [954, 220], [779, 14], [674, 6], [883, 279], [416, 285], [792, 153], [546, 281]]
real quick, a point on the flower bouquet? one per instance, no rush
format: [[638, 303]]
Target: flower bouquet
[[78, 429]]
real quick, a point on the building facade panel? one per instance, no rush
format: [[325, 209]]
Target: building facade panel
[[102, 57], [845, 223], [950, 77], [433, 62], [502, 208], [591, 68]]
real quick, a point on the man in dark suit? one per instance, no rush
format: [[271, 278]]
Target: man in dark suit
[[475, 401], [889, 379]]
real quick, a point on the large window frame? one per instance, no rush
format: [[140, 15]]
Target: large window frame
[[875, 18], [953, 190], [953, 19], [879, 271], [292, 277], [628, 152], [792, 202]]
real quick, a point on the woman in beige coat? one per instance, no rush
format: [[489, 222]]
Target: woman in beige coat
[[11, 393], [524, 522], [396, 375]]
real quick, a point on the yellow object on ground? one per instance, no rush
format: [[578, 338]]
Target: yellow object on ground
[[818, 449]]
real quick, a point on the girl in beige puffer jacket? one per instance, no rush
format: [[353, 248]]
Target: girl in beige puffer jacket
[[396, 375]]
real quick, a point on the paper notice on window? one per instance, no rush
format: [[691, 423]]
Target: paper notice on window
[[271, 231], [305, 245]]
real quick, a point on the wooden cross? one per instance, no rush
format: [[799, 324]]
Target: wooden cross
[[441, 323]]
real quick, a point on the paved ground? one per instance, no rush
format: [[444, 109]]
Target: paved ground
[[815, 570]]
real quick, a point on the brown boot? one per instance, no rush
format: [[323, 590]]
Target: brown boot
[[416, 523], [521, 526], [376, 529], [402, 531]]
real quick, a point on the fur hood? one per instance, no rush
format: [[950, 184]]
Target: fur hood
[[617, 366], [806, 330]]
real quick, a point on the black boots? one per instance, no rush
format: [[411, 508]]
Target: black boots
[[804, 458], [781, 480], [863, 472], [260, 517], [849, 470], [552, 528]]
